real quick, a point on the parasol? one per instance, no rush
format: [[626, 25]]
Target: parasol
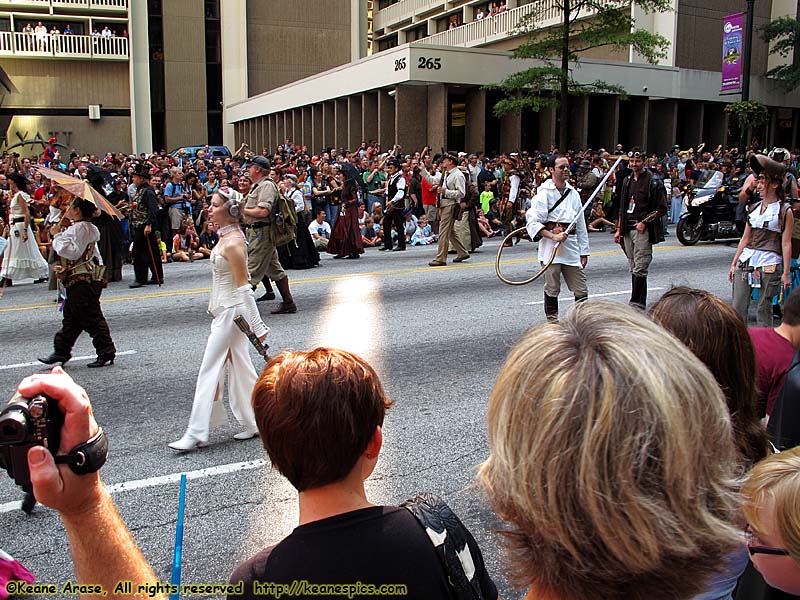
[[80, 188]]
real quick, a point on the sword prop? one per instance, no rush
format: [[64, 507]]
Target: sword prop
[[260, 347], [596, 191]]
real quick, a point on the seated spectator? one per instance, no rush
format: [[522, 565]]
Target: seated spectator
[[377, 212], [370, 236], [771, 500], [300, 417], [410, 225], [613, 464], [320, 230], [484, 226], [774, 349], [362, 217], [598, 219], [162, 248], [184, 245], [423, 234], [208, 239], [493, 216]]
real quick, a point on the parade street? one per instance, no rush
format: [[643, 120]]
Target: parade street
[[437, 337]]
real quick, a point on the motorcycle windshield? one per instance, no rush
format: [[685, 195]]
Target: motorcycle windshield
[[709, 180]]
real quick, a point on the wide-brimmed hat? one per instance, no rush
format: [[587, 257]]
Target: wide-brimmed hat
[[771, 168], [19, 179], [141, 170]]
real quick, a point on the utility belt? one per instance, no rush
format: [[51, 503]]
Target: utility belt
[[551, 225], [16, 220], [746, 268], [257, 225]]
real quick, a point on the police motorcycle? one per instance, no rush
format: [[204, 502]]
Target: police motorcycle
[[709, 210]]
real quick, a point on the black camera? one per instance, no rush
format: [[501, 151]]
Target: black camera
[[24, 423]]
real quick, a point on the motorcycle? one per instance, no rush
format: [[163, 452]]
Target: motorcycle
[[709, 211]]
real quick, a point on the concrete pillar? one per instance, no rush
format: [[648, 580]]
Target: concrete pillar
[[548, 117], [307, 129], [578, 122], [297, 132], [316, 127], [510, 133], [233, 21], [358, 29], [437, 117], [354, 135], [141, 120], [386, 110], [411, 132], [328, 124], [340, 120], [662, 123], [475, 134], [369, 116]]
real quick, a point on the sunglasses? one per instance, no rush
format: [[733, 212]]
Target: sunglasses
[[749, 539], [563, 167]]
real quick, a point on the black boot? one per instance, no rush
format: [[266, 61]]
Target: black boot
[[55, 358], [638, 292], [579, 299], [268, 293], [551, 308]]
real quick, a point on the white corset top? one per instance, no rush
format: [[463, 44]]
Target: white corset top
[[223, 288]]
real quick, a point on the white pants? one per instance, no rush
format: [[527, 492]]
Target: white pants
[[225, 337]]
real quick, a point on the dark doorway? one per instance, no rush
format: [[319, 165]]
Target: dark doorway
[[456, 121]]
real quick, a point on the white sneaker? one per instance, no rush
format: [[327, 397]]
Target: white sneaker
[[187, 442], [245, 435]]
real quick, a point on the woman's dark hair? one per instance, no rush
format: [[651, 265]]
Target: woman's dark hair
[[87, 208], [718, 336]]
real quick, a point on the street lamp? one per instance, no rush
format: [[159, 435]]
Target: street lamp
[[748, 53]]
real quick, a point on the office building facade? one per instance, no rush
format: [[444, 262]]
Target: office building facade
[[422, 73]]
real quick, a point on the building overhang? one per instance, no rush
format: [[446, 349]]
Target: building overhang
[[419, 64]]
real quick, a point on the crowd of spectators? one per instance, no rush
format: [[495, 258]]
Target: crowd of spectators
[[184, 185]]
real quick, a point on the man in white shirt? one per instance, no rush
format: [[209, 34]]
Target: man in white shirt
[[556, 205], [320, 231]]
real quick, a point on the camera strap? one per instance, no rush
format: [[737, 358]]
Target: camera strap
[[87, 457]]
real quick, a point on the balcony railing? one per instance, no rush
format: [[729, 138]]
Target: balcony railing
[[27, 45], [495, 28], [405, 9], [98, 5]]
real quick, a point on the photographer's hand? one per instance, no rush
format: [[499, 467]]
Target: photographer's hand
[[90, 518], [58, 487]]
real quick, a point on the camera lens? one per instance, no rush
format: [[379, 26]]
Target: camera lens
[[13, 427]]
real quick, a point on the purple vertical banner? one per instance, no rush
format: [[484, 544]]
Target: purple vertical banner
[[732, 40]]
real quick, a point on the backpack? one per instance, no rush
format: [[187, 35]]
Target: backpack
[[283, 221]]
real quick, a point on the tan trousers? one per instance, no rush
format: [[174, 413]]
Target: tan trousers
[[262, 257], [461, 231], [447, 235], [574, 277], [639, 251]]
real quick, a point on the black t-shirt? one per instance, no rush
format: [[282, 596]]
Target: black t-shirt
[[380, 545], [493, 216]]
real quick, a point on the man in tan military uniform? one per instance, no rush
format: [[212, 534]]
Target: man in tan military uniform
[[262, 256]]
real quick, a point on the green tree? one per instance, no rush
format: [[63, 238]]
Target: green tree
[[784, 33], [584, 25]]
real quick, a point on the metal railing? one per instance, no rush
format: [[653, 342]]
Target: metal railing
[[494, 28], [100, 5], [403, 10], [62, 46]]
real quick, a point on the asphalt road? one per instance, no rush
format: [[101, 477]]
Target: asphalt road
[[437, 337]]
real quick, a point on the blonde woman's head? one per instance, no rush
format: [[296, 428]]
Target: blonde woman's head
[[772, 509], [611, 459]]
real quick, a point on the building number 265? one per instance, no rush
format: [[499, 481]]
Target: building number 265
[[430, 63]]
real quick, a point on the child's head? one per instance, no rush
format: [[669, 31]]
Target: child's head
[[487, 186], [369, 221], [772, 509], [422, 221]]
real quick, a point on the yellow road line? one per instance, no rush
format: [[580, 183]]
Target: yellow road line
[[329, 278]]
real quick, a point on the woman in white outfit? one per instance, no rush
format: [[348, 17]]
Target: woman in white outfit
[[22, 257], [231, 295]]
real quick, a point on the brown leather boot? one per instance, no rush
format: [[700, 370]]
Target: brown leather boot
[[287, 306]]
